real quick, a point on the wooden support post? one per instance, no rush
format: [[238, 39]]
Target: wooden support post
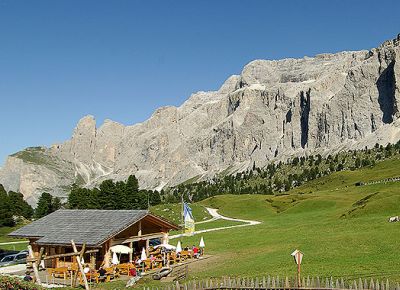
[[34, 265], [147, 247], [82, 251], [140, 229], [131, 253], [39, 258], [299, 270], [78, 260]]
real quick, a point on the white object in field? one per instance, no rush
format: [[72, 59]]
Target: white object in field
[[121, 249], [166, 246], [178, 247], [202, 244], [114, 260], [143, 257], [298, 256]]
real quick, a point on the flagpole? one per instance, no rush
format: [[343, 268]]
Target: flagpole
[[183, 215]]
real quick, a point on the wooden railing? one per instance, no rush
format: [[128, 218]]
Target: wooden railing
[[276, 283]]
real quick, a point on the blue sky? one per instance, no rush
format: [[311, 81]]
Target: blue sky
[[61, 60]]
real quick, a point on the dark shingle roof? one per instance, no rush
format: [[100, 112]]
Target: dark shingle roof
[[92, 227]]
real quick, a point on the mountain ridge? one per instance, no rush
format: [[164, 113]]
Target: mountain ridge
[[273, 110]]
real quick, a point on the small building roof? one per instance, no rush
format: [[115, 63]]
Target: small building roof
[[91, 226]]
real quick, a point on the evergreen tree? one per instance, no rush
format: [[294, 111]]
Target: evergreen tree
[[6, 216], [55, 203], [107, 195], [19, 206], [132, 192], [44, 205]]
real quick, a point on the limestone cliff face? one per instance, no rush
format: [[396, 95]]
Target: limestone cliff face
[[272, 110]]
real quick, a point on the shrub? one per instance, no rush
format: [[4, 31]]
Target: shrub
[[12, 283]]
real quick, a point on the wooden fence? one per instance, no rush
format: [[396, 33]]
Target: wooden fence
[[276, 283]]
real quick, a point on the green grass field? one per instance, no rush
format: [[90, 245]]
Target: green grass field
[[5, 239], [342, 229], [172, 212]]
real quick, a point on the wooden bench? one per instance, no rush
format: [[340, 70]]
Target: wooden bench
[[61, 272], [185, 254], [124, 268], [112, 273], [173, 258], [92, 276]]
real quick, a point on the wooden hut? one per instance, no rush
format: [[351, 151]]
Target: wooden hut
[[98, 229]]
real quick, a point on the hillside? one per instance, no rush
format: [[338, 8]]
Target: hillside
[[342, 229], [279, 177], [273, 110]]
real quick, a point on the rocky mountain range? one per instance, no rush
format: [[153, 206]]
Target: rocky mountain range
[[271, 111]]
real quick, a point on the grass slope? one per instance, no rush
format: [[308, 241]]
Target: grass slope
[[172, 212], [4, 231], [341, 228]]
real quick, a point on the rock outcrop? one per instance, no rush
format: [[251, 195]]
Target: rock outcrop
[[271, 111]]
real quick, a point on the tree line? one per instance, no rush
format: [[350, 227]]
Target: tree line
[[281, 176], [13, 207], [113, 195]]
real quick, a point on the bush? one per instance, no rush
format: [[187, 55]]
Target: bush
[[11, 283]]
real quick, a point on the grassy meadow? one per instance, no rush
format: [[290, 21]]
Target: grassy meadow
[[342, 229], [4, 231]]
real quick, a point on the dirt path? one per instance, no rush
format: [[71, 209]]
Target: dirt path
[[216, 216]]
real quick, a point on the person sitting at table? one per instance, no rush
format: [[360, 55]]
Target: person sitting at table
[[102, 274], [132, 272], [195, 252], [138, 262], [86, 269], [28, 276]]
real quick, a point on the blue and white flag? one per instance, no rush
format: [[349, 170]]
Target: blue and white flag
[[188, 219]]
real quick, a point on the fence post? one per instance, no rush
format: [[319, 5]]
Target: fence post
[[360, 284], [318, 283], [287, 285]]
